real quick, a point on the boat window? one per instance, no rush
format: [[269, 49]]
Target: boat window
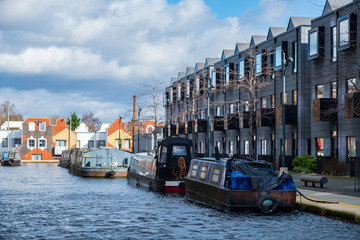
[[179, 151], [163, 154], [203, 172], [194, 170], [215, 175]]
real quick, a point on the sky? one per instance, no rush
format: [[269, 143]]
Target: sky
[[62, 56]]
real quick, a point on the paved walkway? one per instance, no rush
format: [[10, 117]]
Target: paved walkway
[[338, 189]]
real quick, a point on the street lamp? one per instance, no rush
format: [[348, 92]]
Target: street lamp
[[37, 140], [139, 129], [120, 142], [285, 65]]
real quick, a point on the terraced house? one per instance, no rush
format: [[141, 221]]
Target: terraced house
[[288, 93]]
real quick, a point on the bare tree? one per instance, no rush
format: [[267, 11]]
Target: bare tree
[[13, 116], [93, 123], [54, 118]]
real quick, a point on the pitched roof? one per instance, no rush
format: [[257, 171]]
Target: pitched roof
[[241, 47], [298, 21], [256, 39], [226, 53], [173, 79], [180, 75], [199, 66], [189, 70], [274, 31], [332, 5], [211, 61]]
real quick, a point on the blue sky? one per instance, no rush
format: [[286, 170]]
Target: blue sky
[[62, 56]]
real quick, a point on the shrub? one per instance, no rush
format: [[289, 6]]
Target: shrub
[[305, 164]]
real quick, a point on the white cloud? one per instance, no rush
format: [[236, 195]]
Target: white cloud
[[42, 103]]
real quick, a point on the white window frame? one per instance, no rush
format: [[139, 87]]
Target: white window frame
[[60, 141], [42, 126], [263, 147], [197, 84], [278, 57], [218, 111], [231, 108], [213, 78], [227, 74], [295, 56], [246, 147], [171, 95], [179, 91], [28, 143], [42, 140], [187, 88], [344, 31], [334, 44]]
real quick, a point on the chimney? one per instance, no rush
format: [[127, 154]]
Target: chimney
[[134, 108]]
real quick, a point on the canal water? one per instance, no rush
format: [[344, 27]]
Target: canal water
[[43, 201]]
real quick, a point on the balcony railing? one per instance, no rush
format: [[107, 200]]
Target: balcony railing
[[324, 109], [290, 114], [265, 117]]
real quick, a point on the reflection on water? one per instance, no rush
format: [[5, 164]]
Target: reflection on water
[[43, 201]]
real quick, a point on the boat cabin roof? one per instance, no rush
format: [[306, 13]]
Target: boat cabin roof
[[175, 141]]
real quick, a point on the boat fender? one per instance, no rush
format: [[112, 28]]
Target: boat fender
[[267, 204], [181, 185], [110, 174]]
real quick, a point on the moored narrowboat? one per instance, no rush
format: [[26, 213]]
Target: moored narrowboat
[[11, 158], [65, 158], [239, 185], [163, 171], [102, 162]]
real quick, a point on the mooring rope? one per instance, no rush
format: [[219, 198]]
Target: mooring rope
[[181, 171], [313, 200]]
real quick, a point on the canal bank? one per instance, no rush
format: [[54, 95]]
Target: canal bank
[[337, 199], [39, 161]]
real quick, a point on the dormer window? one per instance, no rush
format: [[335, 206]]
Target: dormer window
[[258, 63]]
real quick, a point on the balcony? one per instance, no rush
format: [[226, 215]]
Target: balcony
[[265, 117], [352, 105], [232, 121], [59, 149], [290, 114], [189, 127], [245, 119], [324, 109], [218, 123]]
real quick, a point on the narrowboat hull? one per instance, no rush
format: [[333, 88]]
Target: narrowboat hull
[[98, 172], [237, 200], [64, 163], [11, 162], [155, 185]]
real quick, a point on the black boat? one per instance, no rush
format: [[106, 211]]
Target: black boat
[[65, 158], [239, 184], [164, 171]]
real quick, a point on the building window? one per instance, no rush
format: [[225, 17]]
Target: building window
[[218, 111], [294, 54], [351, 147], [320, 91], [231, 108], [203, 172], [187, 88], [42, 126], [351, 85], [42, 143], [91, 144], [258, 63], [179, 91], [295, 97], [333, 90], [31, 126], [60, 143], [4, 142], [263, 147], [197, 83], [218, 145], [127, 143], [313, 43], [17, 142], [246, 106], [246, 147], [281, 147], [344, 31], [31, 143], [36, 157], [193, 169], [333, 44], [227, 74], [241, 69], [231, 147], [101, 143], [319, 147], [263, 102], [215, 175], [171, 95], [213, 78], [278, 57]]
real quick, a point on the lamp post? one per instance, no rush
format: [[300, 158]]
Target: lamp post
[[37, 140], [208, 117], [120, 142], [284, 68], [139, 129]]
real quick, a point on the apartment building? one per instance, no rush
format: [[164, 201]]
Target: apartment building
[[236, 102]]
